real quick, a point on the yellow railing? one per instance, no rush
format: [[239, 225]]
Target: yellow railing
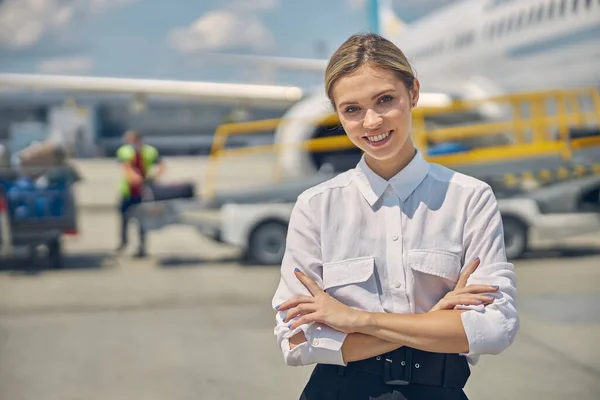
[[537, 124]]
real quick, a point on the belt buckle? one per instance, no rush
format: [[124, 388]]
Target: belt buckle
[[388, 374]]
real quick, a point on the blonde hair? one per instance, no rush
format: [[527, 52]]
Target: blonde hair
[[367, 49]]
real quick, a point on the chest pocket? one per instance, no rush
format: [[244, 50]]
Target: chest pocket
[[353, 282], [435, 273], [436, 263]]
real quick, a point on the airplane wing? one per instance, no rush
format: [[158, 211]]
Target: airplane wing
[[247, 93], [315, 65], [205, 90]]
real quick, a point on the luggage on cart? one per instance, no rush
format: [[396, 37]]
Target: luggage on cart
[[170, 191], [36, 212], [40, 158], [30, 201]]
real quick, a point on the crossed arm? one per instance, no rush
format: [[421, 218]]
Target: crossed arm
[[326, 331], [372, 334]]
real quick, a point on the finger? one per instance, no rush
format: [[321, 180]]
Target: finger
[[477, 289], [464, 300], [305, 319], [301, 309], [311, 285], [294, 302], [462, 280], [482, 298]]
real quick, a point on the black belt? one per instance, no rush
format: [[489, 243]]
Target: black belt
[[407, 365]]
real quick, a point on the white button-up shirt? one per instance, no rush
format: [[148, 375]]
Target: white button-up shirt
[[397, 246]]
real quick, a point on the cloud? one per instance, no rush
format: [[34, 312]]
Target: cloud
[[66, 65], [253, 5], [223, 30], [25, 22]]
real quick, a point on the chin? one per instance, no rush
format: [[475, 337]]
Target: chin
[[384, 157]]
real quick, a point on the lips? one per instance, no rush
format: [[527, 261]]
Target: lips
[[379, 139]]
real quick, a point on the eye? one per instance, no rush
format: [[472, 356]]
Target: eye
[[385, 99], [351, 109]]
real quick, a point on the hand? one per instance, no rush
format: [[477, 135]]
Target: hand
[[321, 307], [136, 179], [466, 295]]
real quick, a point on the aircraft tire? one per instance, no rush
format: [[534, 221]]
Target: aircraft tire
[[515, 237], [266, 245]]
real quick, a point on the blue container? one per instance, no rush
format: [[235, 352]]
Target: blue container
[[21, 212], [25, 184], [26, 201], [446, 148], [41, 207], [57, 205]]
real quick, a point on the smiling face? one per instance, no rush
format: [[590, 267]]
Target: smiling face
[[374, 108]]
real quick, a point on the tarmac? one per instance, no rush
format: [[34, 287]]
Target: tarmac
[[193, 322]]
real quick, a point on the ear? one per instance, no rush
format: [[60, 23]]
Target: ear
[[414, 93]]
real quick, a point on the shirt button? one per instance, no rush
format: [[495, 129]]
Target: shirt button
[[395, 237], [316, 342], [397, 284]]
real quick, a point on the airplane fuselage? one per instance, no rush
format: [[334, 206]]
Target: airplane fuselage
[[513, 45]]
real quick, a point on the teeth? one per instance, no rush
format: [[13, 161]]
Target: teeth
[[378, 138]]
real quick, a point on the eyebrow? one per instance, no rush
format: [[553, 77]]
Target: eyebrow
[[372, 98]]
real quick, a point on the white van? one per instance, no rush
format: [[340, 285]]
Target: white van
[[541, 219]]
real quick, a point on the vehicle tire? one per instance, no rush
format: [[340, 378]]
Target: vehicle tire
[[515, 237], [55, 256], [267, 243]]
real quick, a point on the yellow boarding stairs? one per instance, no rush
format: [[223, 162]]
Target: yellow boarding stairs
[[537, 130]]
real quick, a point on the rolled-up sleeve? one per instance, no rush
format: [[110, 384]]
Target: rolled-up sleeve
[[490, 329], [303, 251]]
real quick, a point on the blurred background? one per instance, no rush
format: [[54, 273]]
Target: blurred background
[[230, 94]]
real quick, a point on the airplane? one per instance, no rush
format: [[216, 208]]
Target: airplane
[[501, 45], [468, 49]]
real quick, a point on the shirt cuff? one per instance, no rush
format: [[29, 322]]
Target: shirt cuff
[[474, 334], [325, 345], [487, 332]]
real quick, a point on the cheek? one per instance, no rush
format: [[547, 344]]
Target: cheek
[[354, 131], [400, 120], [352, 128]]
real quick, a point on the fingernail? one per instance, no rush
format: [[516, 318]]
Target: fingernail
[[477, 259], [290, 325], [297, 269], [277, 306], [496, 286], [491, 297]]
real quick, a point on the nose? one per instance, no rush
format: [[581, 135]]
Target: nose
[[372, 120]]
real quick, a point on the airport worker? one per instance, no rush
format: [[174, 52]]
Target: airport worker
[[141, 163], [395, 275]]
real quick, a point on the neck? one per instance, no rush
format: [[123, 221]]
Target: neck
[[388, 168]]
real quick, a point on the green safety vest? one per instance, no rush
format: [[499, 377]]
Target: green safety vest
[[126, 153]]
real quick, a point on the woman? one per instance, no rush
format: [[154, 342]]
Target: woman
[[374, 280]]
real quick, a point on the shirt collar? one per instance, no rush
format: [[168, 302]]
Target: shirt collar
[[404, 183]]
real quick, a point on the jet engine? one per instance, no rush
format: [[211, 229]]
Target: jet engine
[[302, 122], [308, 118]]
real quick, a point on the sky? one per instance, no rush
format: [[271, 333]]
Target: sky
[[170, 39]]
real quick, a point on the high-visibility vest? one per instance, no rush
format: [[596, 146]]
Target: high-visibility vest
[[127, 153]]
